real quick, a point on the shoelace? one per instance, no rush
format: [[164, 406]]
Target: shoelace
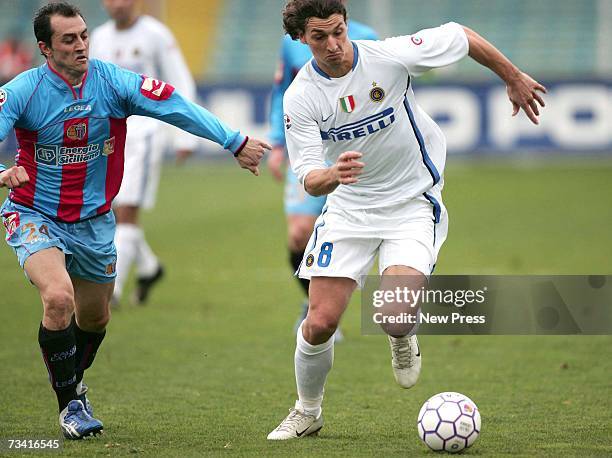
[[403, 358], [290, 423], [81, 414]]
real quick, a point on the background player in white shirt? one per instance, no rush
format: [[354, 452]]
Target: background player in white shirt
[[355, 132], [146, 46]]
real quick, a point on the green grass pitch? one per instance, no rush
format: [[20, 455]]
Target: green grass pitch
[[207, 367]]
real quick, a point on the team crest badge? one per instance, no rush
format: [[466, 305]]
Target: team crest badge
[[287, 121], [377, 94], [109, 147], [110, 268], [3, 97], [77, 131], [309, 260], [347, 103]]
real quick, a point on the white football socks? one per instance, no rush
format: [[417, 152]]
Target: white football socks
[[126, 241], [312, 364], [146, 261]]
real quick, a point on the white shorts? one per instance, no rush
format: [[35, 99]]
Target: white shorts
[[143, 158], [344, 243]]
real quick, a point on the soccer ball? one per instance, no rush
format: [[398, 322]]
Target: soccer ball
[[449, 421]]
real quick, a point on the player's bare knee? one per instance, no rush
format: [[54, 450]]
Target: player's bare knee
[[296, 240], [99, 324], [94, 322], [299, 234], [319, 327], [58, 307], [397, 329], [302, 241]]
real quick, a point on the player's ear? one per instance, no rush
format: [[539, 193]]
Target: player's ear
[[44, 49], [303, 38]]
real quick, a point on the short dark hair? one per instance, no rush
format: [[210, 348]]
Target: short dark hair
[[297, 12], [42, 19]]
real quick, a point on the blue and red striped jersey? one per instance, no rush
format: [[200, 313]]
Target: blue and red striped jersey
[[71, 139]]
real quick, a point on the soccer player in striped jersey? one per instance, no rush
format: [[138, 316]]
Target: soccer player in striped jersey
[[301, 209], [70, 119], [355, 133]]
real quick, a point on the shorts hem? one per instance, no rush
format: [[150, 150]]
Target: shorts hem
[[52, 244], [356, 278], [417, 268], [99, 280]]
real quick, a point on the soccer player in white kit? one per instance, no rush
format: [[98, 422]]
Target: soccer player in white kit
[[143, 45], [355, 132]]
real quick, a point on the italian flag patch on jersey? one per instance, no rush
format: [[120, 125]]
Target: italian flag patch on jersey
[[347, 103]]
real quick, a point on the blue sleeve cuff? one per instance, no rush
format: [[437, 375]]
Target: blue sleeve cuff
[[2, 168], [237, 144]]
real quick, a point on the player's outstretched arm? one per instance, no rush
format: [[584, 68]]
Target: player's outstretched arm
[[522, 89], [251, 153], [15, 177], [346, 170]]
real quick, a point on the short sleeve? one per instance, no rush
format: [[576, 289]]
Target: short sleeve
[[430, 48]]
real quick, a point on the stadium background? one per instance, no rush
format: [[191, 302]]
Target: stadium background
[[232, 48], [207, 367]]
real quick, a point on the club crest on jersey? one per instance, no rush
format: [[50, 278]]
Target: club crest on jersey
[[3, 97], [416, 40], [309, 260], [109, 147], [155, 89], [11, 222], [77, 131], [347, 103], [377, 94]]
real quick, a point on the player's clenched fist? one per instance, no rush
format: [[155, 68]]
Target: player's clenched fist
[[348, 168], [250, 156], [15, 177]]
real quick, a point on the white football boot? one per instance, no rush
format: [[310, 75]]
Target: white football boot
[[296, 425], [405, 359]]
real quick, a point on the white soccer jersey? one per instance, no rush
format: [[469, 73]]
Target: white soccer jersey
[[372, 110], [149, 48]]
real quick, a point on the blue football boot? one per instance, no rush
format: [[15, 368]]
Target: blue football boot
[[76, 423]]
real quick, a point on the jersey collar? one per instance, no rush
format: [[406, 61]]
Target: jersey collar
[[325, 75], [62, 83]]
